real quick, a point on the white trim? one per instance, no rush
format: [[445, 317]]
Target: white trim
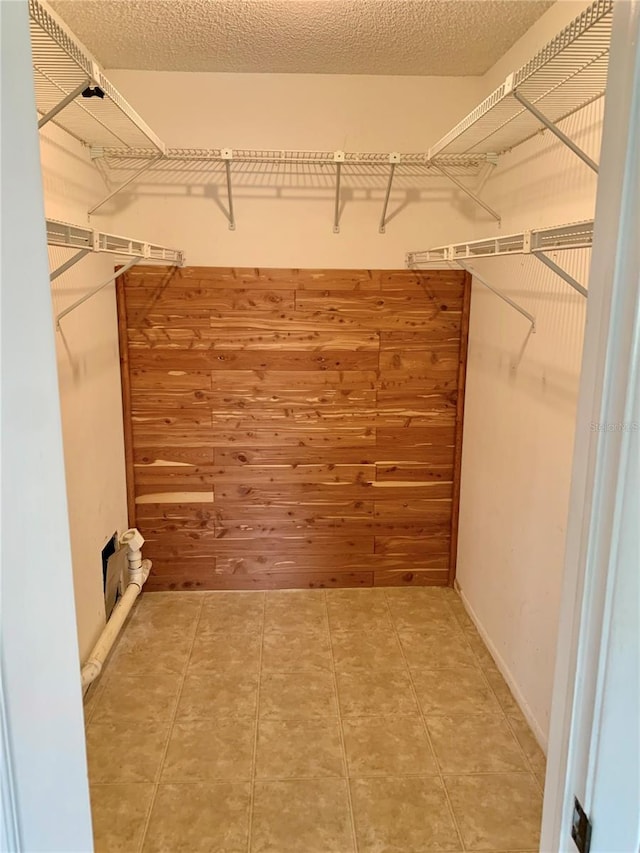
[[504, 669]]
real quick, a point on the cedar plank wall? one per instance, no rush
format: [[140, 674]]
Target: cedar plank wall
[[293, 428]]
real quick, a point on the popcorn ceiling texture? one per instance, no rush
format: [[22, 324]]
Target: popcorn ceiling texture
[[387, 37]]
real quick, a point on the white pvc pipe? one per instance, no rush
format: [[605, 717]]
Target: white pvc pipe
[[138, 573]]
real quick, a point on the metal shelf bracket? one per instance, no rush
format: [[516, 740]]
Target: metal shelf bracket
[[64, 102], [553, 128], [338, 159], [73, 260], [227, 155], [124, 184], [97, 289], [499, 294], [558, 270], [394, 159], [467, 191]]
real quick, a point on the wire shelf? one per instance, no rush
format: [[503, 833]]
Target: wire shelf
[[566, 75], [576, 235], [61, 65], [72, 236], [113, 155]]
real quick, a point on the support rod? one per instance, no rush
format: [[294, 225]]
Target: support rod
[[499, 294], [63, 103], [97, 289], [231, 216], [137, 174], [556, 130], [336, 210], [383, 218], [68, 264], [469, 192], [546, 260]]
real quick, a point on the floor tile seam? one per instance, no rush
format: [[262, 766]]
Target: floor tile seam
[[289, 671], [431, 746], [214, 719], [163, 758], [494, 692], [524, 752], [345, 763], [256, 727], [246, 780]]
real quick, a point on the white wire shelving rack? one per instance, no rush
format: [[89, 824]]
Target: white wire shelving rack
[[569, 73], [85, 240], [73, 92], [340, 163], [536, 242], [566, 75]]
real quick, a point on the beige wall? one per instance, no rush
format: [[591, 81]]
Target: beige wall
[[89, 377], [521, 401], [290, 225]]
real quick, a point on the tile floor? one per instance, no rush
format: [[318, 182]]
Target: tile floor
[[339, 721]]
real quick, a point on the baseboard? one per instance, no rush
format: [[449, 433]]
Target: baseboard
[[504, 669]]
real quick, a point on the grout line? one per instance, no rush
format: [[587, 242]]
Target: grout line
[[170, 731], [345, 764], [497, 698], [426, 729], [239, 779], [254, 756]]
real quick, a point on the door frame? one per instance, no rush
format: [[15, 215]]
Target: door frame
[[600, 506]]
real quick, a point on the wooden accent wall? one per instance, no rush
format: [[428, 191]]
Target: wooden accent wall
[[294, 428]]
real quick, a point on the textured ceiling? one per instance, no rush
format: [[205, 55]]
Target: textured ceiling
[[421, 37]]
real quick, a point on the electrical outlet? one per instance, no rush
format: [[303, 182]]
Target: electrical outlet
[[580, 828]]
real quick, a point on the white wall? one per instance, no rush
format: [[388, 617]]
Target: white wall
[[89, 378], [521, 401], [291, 225]]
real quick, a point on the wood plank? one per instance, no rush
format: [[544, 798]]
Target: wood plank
[[261, 381], [170, 380], [413, 472], [436, 512], [290, 360], [414, 363], [305, 418], [243, 277], [302, 562], [434, 545], [328, 473], [254, 521], [155, 456], [384, 301], [318, 439], [205, 338], [357, 455], [193, 576], [444, 285], [261, 493], [241, 401], [204, 543], [440, 326], [204, 298]]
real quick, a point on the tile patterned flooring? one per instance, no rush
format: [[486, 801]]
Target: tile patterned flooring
[[338, 721]]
